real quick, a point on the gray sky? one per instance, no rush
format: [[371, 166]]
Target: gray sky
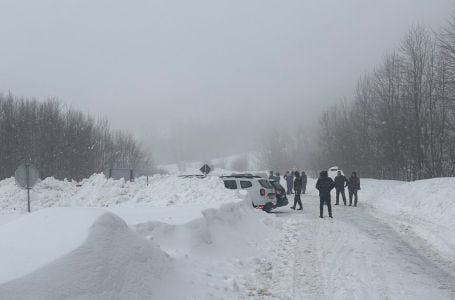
[[144, 64]]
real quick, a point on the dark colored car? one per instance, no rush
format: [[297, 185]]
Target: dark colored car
[[281, 199]]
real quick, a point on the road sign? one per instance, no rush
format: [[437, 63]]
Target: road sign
[[26, 177], [205, 169], [119, 173]]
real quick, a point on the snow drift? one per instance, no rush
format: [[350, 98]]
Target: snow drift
[[90, 254], [426, 207], [97, 191], [234, 229]]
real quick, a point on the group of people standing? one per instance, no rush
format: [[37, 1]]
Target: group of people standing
[[325, 185], [296, 184]]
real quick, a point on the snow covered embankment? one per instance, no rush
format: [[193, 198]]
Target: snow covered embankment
[[77, 252], [427, 207], [162, 191], [72, 253]]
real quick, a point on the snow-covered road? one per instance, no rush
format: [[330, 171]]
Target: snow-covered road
[[356, 255]]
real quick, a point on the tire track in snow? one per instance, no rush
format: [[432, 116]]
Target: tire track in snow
[[307, 280], [357, 256]]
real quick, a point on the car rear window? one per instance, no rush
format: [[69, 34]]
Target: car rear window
[[277, 185], [245, 184], [265, 184], [230, 184]]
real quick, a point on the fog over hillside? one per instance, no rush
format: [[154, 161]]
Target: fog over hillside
[[212, 76]]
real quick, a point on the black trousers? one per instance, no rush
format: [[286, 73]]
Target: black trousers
[[327, 201], [343, 194], [297, 199], [289, 191], [353, 193], [304, 189]]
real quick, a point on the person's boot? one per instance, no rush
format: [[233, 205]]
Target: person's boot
[[292, 207], [300, 208], [331, 216], [321, 217]]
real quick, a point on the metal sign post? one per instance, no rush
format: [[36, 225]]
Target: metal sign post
[[26, 177]]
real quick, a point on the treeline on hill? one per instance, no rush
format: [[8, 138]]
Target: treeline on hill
[[401, 122], [60, 142]]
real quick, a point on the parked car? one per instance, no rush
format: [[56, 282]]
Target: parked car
[[281, 199], [260, 190], [333, 172]]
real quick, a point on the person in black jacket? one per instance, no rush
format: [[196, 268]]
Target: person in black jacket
[[340, 183], [304, 182], [324, 184], [289, 177], [297, 190], [353, 187]]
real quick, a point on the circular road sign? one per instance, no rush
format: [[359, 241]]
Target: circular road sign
[[26, 176]]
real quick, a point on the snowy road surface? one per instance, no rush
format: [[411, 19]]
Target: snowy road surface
[[356, 255]]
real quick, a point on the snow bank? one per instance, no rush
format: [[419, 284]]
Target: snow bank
[[91, 254], [218, 251], [98, 191], [426, 207], [234, 229], [88, 253]]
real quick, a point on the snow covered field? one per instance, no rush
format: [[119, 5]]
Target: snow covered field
[[193, 239]]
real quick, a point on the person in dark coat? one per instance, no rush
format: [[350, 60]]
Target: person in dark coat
[[277, 177], [324, 184], [297, 190], [304, 182], [289, 177], [353, 187], [340, 183], [271, 176]]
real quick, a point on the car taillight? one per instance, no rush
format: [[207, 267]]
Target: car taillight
[[262, 192]]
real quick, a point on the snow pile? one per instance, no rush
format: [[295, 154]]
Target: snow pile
[[425, 206], [218, 251], [98, 191], [91, 254], [226, 231]]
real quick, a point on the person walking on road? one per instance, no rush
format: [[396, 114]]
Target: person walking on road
[[340, 183], [324, 184], [289, 181], [297, 190], [304, 182], [353, 187]]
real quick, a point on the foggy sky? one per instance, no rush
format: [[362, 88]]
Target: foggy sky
[[146, 64]]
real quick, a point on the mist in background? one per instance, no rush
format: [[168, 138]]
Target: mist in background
[[201, 79]]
